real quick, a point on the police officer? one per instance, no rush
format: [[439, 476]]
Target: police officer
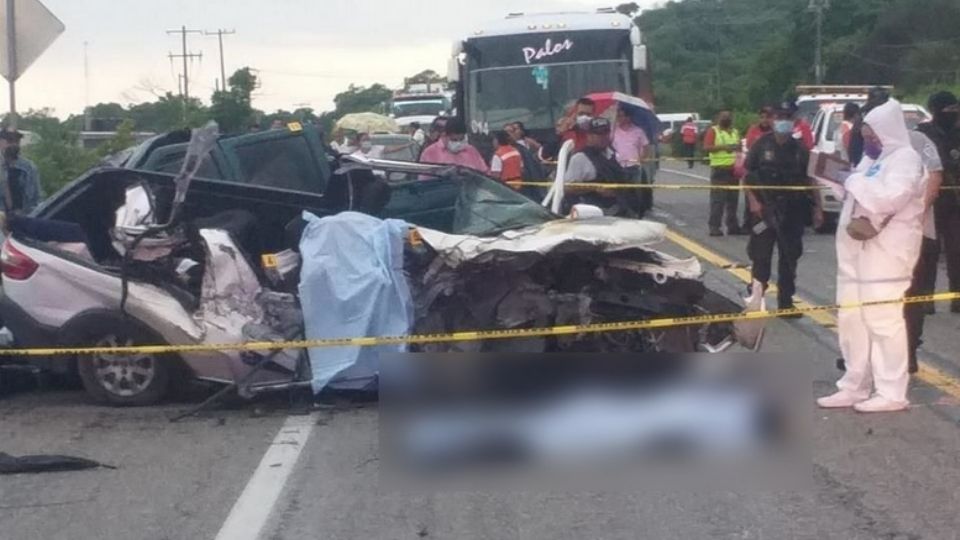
[[778, 217], [598, 161], [945, 134]]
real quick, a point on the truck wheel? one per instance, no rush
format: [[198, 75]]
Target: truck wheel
[[123, 379]]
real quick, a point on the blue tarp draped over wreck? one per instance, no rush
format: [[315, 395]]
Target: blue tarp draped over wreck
[[351, 285]]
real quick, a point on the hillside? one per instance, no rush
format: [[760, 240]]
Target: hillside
[[708, 54]]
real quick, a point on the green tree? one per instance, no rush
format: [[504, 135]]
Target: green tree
[[426, 76], [361, 99], [708, 54], [167, 113], [629, 9], [56, 153], [121, 140], [233, 108]]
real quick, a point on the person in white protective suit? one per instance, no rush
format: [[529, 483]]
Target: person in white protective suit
[[888, 189]]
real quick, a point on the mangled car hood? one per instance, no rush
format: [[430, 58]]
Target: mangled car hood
[[607, 235]]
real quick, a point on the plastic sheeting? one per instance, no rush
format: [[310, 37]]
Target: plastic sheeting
[[608, 233], [352, 284]]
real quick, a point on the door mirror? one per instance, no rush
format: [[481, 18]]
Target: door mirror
[[640, 57]]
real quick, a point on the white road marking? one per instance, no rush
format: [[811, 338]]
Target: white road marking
[[682, 173], [250, 513]]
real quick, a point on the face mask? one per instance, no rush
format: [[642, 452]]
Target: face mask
[[366, 146], [583, 120], [872, 149], [783, 127], [455, 146]]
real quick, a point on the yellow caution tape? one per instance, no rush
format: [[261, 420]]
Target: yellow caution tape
[[592, 185], [476, 335]]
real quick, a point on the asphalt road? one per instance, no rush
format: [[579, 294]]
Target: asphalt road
[[885, 476]]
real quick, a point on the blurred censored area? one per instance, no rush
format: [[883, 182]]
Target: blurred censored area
[[594, 421]]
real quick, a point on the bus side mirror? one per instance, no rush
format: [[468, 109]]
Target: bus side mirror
[[640, 57], [453, 69]]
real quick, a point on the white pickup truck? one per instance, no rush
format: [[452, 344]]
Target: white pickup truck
[[826, 123]]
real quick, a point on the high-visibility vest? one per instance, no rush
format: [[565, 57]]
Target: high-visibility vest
[[724, 159], [512, 163]]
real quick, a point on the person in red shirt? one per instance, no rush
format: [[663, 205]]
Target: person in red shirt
[[801, 128], [507, 162], [763, 126], [688, 134], [573, 127]]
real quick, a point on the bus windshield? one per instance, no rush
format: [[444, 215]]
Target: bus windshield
[[539, 95], [427, 107]]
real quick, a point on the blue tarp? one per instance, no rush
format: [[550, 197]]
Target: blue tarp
[[352, 285]]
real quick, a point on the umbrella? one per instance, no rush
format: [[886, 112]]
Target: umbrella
[[368, 123], [639, 111]]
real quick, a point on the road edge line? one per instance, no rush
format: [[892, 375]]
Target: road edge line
[[928, 374]]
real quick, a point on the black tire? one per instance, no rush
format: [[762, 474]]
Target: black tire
[[122, 380]]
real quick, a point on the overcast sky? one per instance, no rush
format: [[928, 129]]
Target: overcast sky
[[306, 50]]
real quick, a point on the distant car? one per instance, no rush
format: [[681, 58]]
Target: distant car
[[670, 123], [812, 98], [825, 126]]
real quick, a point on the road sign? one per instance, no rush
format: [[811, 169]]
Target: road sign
[[35, 29]]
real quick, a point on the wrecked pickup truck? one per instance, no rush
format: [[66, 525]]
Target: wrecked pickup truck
[[222, 264]]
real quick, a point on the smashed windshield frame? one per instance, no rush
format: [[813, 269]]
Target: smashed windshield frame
[[477, 205], [486, 207], [539, 95]]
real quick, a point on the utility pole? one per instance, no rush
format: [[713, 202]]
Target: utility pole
[[12, 60], [223, 70], [186, 59], [818, 7], [86, 87]]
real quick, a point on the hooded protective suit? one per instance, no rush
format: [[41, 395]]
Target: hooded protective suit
[[874, 339]]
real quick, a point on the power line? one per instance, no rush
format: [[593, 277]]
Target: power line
[[918, 43], [186, 58], [223, 71]]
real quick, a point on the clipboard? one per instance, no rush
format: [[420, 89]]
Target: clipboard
[[829, 170]]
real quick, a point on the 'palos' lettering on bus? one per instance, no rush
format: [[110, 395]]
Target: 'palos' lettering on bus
[[549, 49]]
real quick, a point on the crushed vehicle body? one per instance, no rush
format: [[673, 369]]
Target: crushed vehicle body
[[224, 264]]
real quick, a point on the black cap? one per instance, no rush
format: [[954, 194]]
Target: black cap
[[785, 108], [942, 101], [599, 126], [10, 135]]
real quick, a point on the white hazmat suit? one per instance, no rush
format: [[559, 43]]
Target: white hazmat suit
[[874, 339]]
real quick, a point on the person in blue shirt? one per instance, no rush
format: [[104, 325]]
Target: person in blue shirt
[[21, 191]]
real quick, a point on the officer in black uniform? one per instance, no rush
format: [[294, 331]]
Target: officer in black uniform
[[778, 217], [945, 133], [598, 162]]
